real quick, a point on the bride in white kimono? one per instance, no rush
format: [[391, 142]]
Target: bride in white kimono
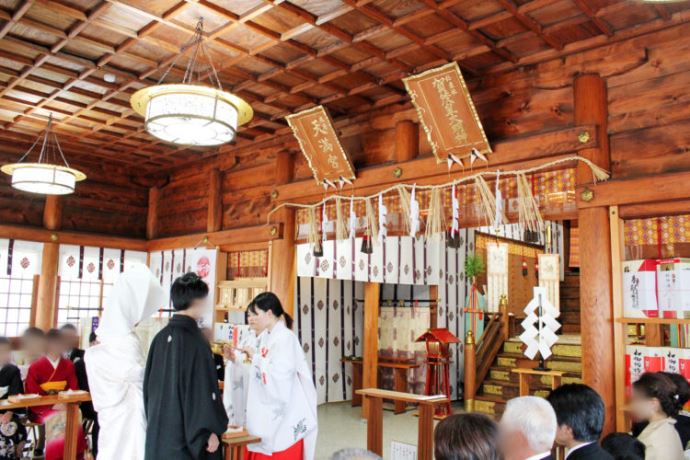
[[281, 404], [115, 367]]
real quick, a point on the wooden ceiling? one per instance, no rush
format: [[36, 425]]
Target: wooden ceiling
[[281, 56]]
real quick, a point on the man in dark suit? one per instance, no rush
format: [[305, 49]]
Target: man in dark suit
[[580, 413], [71, 336], [527, 429]]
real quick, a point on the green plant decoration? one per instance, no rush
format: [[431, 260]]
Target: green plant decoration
[[474, 265]]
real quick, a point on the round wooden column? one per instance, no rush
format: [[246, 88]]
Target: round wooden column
[[282, 267], [46, 303], [596, 309]]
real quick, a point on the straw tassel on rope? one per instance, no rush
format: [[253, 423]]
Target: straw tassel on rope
[[435, 222], [340, 227]]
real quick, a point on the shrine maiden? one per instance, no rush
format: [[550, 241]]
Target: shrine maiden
[[115, 367], [281, 404]]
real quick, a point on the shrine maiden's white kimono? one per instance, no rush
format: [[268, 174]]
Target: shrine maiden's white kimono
[[281, 405], [115, 367], [236, 380]]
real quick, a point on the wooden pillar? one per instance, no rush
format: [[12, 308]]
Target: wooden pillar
[[152, 214], [282, 265], [406, 140], [596, 315], [470, 372], [52, 212], [370, 366], [214, 220], [46, 292]]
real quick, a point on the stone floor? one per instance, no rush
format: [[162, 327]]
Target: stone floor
[[341, 426]]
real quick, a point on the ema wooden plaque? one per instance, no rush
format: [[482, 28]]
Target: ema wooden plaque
[[319, 143], [446, 111]]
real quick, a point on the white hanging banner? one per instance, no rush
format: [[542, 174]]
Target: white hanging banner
[[549, 278], [496, 274]]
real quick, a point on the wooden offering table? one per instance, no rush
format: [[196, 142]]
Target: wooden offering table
[[427, 404], [400, 369], [525, 374], [234, 449], [72, 423]]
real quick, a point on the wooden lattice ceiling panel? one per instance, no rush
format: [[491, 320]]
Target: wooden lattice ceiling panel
[[281, 56]]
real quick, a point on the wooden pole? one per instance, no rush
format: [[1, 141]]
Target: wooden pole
[[282, 265], [214, 220], [46, 303], [370, 364], [596, 321], [470, 372], [406, 140], [152, 214], [52, 213]]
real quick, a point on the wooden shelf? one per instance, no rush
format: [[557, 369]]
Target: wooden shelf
[[653, 320]]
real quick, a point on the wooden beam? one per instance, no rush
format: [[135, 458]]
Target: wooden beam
[[648, 189], [598, 371], [370, 365], [645, 210], [85, 239], [519, 152], [215, 201], [152, 214], [406, 140], [235, 236]]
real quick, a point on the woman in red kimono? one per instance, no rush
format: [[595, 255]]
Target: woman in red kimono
[[51, 374]]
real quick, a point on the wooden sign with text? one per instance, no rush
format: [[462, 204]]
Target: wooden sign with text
[[446, 111], [319, 143]]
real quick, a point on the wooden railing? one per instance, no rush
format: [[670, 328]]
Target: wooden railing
[[480, 355]]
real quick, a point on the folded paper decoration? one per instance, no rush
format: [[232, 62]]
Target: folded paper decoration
[[447, 114], [319, 143]]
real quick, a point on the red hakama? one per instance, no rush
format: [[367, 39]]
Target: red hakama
[[294, 452]]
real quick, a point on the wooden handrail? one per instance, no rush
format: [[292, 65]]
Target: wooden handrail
[[479, 356]]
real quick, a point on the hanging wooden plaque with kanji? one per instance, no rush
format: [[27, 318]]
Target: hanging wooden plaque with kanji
[[446, 112], [319, 143]]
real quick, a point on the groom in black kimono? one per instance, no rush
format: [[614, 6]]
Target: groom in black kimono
[[184, 406]]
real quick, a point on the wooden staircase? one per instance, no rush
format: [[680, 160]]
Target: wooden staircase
[[570, 303], [501, 384]]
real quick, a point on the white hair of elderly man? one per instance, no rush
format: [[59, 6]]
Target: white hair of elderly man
[[354, 454], [534, 418]]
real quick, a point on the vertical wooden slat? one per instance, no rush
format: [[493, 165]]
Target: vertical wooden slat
[[152, 214], [215, 201], [590, 106], [370, 366], [617, 251]]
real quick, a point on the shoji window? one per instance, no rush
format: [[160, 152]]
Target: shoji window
[[87, 275], [20, 264]]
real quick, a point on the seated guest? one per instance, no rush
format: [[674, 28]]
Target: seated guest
[[527, 429], [12, 431], [580, 414], [33, 347], [47, 375], [622, 446], [71, 336], [218, 360], [354, 454], [654, 400], [466, 437], [87, 410], [682, 417]]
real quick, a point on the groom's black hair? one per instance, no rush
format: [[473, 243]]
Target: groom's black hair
[[186, 289]]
